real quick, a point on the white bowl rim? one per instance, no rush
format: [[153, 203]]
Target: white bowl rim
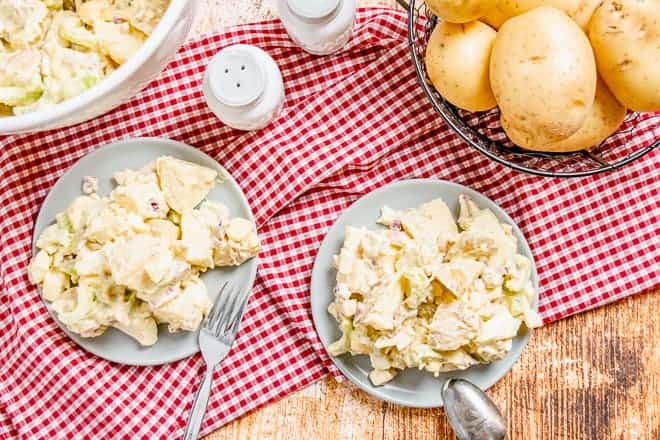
[[36, 120]]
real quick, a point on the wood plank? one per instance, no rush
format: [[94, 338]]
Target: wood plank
[[591, 376]]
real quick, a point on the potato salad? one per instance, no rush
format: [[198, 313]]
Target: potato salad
[[52, 50], [133, 259], [431, 292]]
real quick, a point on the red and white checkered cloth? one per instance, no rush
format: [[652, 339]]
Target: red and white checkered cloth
[[352, 123]]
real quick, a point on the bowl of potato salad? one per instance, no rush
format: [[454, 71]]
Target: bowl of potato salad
[[134, 242], [66, 61], [420, 281]]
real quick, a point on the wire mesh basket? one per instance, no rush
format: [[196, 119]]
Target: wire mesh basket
[[639, 134]]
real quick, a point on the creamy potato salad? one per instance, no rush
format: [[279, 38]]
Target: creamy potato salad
[[133, 259], [52, 50], [431, 292]]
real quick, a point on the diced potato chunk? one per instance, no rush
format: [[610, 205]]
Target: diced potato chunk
[[55, 283], [39, 266]]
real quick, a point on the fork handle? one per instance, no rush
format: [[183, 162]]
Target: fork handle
[[199, 407]]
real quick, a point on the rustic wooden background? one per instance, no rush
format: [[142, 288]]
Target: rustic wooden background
[[592, 376]]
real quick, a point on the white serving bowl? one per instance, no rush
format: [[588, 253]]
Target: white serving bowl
[[122, 84]]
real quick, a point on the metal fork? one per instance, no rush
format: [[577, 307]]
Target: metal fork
[[215, 340]]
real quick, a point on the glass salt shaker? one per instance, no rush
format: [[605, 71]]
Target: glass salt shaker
[[320, 27], [243, 87]]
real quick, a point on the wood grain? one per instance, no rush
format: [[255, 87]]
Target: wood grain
[[593, 376]]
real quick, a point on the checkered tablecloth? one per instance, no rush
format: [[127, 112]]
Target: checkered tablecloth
[[352, 123]]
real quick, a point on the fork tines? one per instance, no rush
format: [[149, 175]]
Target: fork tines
[[225, 315]]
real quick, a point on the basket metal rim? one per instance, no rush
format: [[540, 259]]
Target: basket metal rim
[[421, 78]]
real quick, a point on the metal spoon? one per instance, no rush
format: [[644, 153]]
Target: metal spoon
[[471, 413]]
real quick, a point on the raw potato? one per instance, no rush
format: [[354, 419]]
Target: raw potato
[[625, 35], [578, 10], [606, 116], [459, 11], [457, 62], [584, 12], [543, 76]]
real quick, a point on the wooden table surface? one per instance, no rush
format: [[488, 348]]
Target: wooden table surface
[[591, 376]]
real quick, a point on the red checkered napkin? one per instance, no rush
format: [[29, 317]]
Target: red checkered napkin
[[352, 123]]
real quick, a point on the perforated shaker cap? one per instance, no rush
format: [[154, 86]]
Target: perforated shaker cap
[[313, 8], [236, 77]]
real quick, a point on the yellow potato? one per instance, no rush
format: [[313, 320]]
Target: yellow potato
[[606, 116], [584, 12], [457, 63], [502, 10], [543, 76], [459, 11], [496, 16], [625, 35]]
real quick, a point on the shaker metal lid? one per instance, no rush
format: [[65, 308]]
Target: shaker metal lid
[[313, 8], [235, 75]]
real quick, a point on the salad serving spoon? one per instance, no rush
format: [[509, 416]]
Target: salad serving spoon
[[471, 413]]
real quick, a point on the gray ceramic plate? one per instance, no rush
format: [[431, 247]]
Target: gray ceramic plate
[[114, 345], [410, 387]]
